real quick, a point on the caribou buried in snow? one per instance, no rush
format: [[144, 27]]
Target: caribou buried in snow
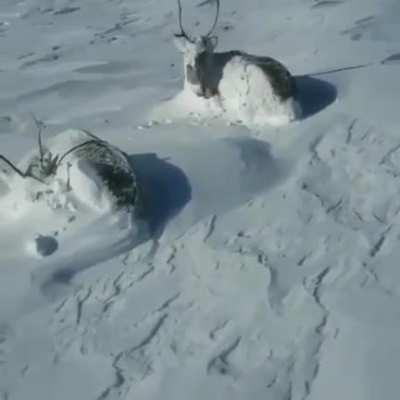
[[48, 170], [259, 89]]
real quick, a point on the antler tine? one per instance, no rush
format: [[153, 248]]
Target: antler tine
[[39, 125], [216, 19], [12, 166], [18, 171], [78, 146], [183, 33]]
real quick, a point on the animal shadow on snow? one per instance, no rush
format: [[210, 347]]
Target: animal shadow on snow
[[314, 94], [166, 189]]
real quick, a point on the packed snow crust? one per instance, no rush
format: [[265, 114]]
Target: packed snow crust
[[268, 268]]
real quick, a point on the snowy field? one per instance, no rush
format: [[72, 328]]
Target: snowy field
[[269, 269]]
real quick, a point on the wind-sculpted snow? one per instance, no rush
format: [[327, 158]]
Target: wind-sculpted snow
[[268, 264]]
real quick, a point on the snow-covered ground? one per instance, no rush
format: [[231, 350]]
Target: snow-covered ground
[[272, 269]]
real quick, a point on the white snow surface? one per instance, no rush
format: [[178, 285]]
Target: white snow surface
[[272, 267]]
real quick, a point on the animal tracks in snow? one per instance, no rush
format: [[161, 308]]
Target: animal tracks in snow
[[267, 253], [360, 28]]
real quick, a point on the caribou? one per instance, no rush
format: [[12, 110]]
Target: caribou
[[256, 89], [48, 167]]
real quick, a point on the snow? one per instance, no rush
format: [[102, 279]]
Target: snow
[[266, 262]]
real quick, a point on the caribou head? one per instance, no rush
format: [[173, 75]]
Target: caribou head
[[195, 50]]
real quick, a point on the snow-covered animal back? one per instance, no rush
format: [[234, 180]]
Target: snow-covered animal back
[[251, 89]]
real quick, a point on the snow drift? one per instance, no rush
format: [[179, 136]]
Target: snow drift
[[74, 178]]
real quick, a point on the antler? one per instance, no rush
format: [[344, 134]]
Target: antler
[[77, 147], [18, 171], [39, 126], [215, 21], [182, 33], [13, 166]]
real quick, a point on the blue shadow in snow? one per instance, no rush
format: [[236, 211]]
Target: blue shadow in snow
[[166, 189], [314, 94]]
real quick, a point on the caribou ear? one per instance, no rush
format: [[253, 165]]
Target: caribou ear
[[180, 43], [213, 42]]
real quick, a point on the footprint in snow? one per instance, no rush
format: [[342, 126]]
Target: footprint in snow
[[48, 58], [4, 27], [326, 3], [66, 10], [394, 59], [5, 123], [360, 27], [43, 246]]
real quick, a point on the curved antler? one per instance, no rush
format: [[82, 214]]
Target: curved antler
[[78, 146], [12, 166], [215, 21], [182, 33]]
